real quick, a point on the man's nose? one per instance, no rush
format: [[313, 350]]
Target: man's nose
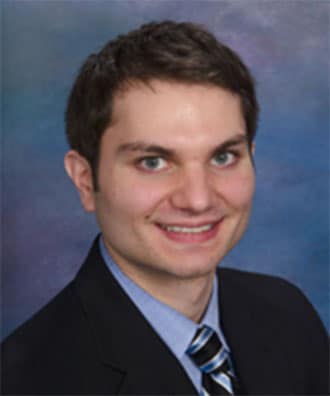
[[194, 191]]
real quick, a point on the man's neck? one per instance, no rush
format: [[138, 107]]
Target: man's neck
[[190, 296]]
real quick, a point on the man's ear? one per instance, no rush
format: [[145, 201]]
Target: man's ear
[[80, 172]]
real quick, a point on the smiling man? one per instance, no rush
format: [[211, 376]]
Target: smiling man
[[161, 124]]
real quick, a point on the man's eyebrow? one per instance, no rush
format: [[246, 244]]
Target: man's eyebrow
[[235, 141], [144, 148]]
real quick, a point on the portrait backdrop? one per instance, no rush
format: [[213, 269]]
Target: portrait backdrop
[[45, 232]]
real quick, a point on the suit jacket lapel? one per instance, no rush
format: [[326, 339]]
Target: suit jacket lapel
[[125, 341], [254, 336]]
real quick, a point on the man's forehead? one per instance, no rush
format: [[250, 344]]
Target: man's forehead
[[174, 101], [156, 89]]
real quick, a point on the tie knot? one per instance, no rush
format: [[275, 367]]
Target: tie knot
[[207, 351]]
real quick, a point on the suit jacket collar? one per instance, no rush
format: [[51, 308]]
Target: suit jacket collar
[[124, 340]]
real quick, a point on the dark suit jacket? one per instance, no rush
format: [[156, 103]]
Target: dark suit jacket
[[91, 339]]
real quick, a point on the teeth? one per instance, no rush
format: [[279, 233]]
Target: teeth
[[192, 230]]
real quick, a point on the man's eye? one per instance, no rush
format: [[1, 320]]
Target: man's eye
[[152, 163], [224, 159]]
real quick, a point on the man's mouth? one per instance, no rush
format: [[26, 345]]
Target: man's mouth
[[184, 233], [185, 229]]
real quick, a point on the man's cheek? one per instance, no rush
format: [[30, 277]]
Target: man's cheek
[[136, 197], [239, 191]]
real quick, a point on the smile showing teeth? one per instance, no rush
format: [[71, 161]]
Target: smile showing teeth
[[190, 230]]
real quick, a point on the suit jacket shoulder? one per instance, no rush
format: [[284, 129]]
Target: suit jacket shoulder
[[90, 339], [270, 290], [53, 352], [269, 319]]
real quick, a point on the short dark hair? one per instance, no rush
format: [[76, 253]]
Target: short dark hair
[[171, 51]]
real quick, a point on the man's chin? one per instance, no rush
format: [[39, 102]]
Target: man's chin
[[190, 270]]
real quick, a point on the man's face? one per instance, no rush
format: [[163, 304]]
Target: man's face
[[176, 180]]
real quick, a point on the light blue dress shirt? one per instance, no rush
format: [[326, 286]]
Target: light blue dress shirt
[[175, 329]]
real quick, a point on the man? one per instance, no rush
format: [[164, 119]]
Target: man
[[161, 124]]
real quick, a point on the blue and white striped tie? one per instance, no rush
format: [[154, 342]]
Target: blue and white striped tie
[[213, 360]]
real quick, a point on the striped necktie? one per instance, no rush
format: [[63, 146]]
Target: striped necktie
[[213, 360]]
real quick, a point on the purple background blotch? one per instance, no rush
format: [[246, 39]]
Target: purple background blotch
[[45, 232]]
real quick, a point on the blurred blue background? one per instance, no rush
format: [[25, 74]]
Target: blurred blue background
[[45, 232]]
